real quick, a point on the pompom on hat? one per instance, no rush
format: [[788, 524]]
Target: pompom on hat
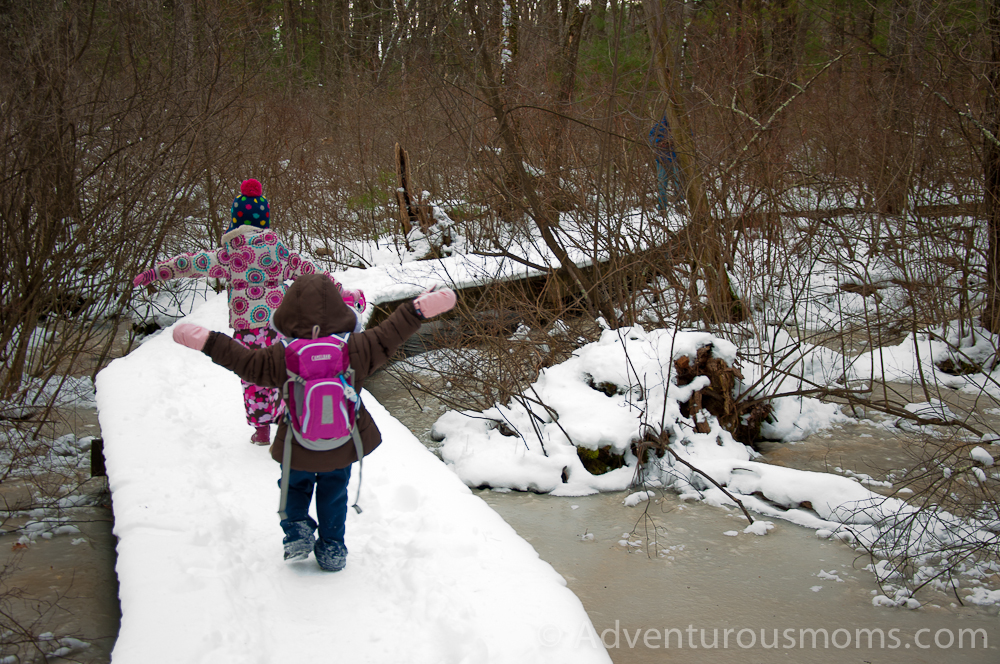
[[250, 208]]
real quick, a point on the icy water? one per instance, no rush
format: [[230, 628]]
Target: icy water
[[69, 581], [688, 588], [662, 581]]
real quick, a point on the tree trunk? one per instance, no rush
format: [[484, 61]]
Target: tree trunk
[[775, 25], [337, 32], [541, 214], [566, 58], [893, 177], [291, 38], [703, 234], [991, 175]]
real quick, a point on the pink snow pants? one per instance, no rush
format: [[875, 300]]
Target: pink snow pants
[[263, 404]]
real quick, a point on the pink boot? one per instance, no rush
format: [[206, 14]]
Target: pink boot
[[262, 436]]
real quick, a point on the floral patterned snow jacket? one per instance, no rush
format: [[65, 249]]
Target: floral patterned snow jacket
[[255, 265]]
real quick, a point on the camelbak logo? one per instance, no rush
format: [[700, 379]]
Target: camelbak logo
[[320, 358]]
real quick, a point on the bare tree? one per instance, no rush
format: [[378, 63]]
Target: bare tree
[[991, 173], [702, 235], [542, 214]]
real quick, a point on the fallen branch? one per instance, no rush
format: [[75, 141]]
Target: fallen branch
[[707, 477]]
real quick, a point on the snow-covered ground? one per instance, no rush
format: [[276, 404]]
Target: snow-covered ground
[[433, 575]]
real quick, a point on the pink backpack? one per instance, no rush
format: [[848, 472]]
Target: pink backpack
[[320, 400], [319, 393]]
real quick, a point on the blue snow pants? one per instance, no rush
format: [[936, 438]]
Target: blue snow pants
[[331, 501]]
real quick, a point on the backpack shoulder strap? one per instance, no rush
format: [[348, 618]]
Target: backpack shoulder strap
[[286, 471]]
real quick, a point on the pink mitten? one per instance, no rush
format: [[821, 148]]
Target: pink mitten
[[144, 278], [354, 298], [432, 302], [192, 336]]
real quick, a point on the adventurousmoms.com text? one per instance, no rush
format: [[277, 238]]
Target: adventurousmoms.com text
[[695, 638]]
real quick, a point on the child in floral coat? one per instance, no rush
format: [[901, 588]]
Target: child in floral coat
[[255, 265]]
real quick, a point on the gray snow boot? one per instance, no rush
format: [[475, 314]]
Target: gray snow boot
[[331, 556], [298, 538]]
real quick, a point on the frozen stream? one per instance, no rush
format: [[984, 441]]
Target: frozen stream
[[665, 570]]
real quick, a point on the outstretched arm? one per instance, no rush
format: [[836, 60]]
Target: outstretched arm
[[263, 366], [373, 348], [192, 265], [296, 265]]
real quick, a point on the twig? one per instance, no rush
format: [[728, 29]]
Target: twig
[[710, 479], [987, 134]]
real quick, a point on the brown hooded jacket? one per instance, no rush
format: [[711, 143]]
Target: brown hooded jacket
[[313, 302]]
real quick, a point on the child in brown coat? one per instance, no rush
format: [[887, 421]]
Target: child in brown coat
[[313, 306]]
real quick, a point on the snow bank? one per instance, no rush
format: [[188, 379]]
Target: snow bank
[[609, 394]]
